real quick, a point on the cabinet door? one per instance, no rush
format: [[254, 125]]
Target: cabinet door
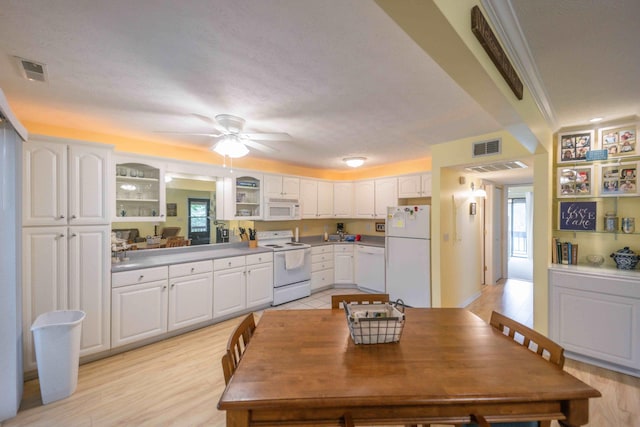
[[89, 179], [190, 300], [291, 187], [309, 198], [409, 186], [364, 199], [259, 284], [139, 191], [343, 199], [321, 279], [229, 291], [138, 312], [89, 286], [44, 183], [426, 185], [272, 187], [44, 279], [343, 265], [386, 194], [325, 199], [248, 197]]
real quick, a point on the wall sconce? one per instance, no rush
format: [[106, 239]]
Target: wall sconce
[[478, 193], [472, 208]]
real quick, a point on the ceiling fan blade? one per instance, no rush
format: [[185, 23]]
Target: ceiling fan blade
[[258, 146], [217, 126], [269, 136], [214, 135]]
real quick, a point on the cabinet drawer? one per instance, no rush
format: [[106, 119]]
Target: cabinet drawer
[[322, 265], [321, 257], [321, 279], [133, 277], [343, 249], [324, 249], [259, 258], [224, 263], [189, 268]]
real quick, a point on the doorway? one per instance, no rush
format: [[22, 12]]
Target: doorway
[[520, 232], [199, 224]]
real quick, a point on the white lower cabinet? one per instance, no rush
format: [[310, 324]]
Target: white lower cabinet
[[153, 301], [139, 305], [343, 264], [66, 268], [190, 294], [242, 282], [321, 267]]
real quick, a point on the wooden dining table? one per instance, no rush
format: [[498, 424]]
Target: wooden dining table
[[302, 368]]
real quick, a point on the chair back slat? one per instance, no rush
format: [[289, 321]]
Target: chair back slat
[[531, 339], [227, 368], [239, 340], [359, 298]]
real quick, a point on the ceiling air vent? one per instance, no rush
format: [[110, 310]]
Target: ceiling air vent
[[487, 148], [32, 70], [497, 167]]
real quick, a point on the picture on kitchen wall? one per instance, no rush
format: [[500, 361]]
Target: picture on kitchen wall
[[380, 226], [619, 141], [578, 216], [619, 179], [574, 146], [575, 182], [172, 209]]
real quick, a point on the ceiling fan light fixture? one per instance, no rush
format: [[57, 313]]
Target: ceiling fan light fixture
[[354, 162], [231, 146]]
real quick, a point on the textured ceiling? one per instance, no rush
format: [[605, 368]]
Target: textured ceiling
[[338, 75]]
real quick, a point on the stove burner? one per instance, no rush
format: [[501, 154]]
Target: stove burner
[[273, 246]]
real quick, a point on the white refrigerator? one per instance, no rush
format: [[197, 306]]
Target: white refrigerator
[[408, 254]]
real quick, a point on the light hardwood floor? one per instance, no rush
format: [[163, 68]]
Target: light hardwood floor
[[178, 382]]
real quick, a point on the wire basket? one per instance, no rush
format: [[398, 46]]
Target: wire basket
[[374, 323]]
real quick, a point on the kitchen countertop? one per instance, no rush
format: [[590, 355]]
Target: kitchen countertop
[[168, 256], [161, 257]]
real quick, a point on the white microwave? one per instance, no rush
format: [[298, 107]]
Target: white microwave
[[282, 210]]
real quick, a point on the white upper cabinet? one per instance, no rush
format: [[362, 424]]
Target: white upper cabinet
[[386, 194], [281, 187], [364, 199], [316, 198], [343, 199], [414, 186], [139, 190], [239, 197], [65, 183]]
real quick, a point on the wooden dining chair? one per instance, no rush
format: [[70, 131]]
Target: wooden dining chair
[[238, 342], [227, 368], [359, 298], [532, 340]]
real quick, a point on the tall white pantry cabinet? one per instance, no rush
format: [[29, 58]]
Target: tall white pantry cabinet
[[66, 237]]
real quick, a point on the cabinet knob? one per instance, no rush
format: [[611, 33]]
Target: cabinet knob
[[61, 216], [73, 235], [173, 285], [141, 277], [73, 217], [193, 269], [164, 287], [229, 263], [61, 235]]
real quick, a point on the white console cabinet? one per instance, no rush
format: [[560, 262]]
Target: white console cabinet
[[594, 313]]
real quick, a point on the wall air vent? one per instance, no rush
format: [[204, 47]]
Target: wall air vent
[[487, 148], [32, 70], [496, 167]]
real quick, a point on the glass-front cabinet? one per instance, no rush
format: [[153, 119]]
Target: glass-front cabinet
[[241, 197], [139, 192]]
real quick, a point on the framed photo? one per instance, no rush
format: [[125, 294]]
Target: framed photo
[[578, 216], [380, 227], [576, 182], [619, 179], [172, 209], [574, 146], [619, 141]]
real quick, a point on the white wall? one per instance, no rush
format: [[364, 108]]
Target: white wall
[[11, 380]]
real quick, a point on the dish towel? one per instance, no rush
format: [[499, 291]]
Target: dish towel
[[293, 259]]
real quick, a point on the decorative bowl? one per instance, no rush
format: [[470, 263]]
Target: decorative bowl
[[595, 260], [625, 258]]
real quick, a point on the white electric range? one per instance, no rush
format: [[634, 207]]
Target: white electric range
[[291, 265]]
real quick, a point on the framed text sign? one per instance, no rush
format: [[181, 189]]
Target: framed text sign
[[579, 216]]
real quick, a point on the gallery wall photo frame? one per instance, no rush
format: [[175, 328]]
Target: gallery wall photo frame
[[619, 179], [576, 181], [619, 141], [574, 146]]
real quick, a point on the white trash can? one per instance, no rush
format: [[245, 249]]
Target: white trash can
[[56, 336]]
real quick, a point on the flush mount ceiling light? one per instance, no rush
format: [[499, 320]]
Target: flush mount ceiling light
[[354, 162], [596, 119], [231, 146]]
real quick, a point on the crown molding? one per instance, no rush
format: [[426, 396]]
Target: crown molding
[[505, 23]]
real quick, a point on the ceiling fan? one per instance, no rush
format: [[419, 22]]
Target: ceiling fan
[[232, 141]]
